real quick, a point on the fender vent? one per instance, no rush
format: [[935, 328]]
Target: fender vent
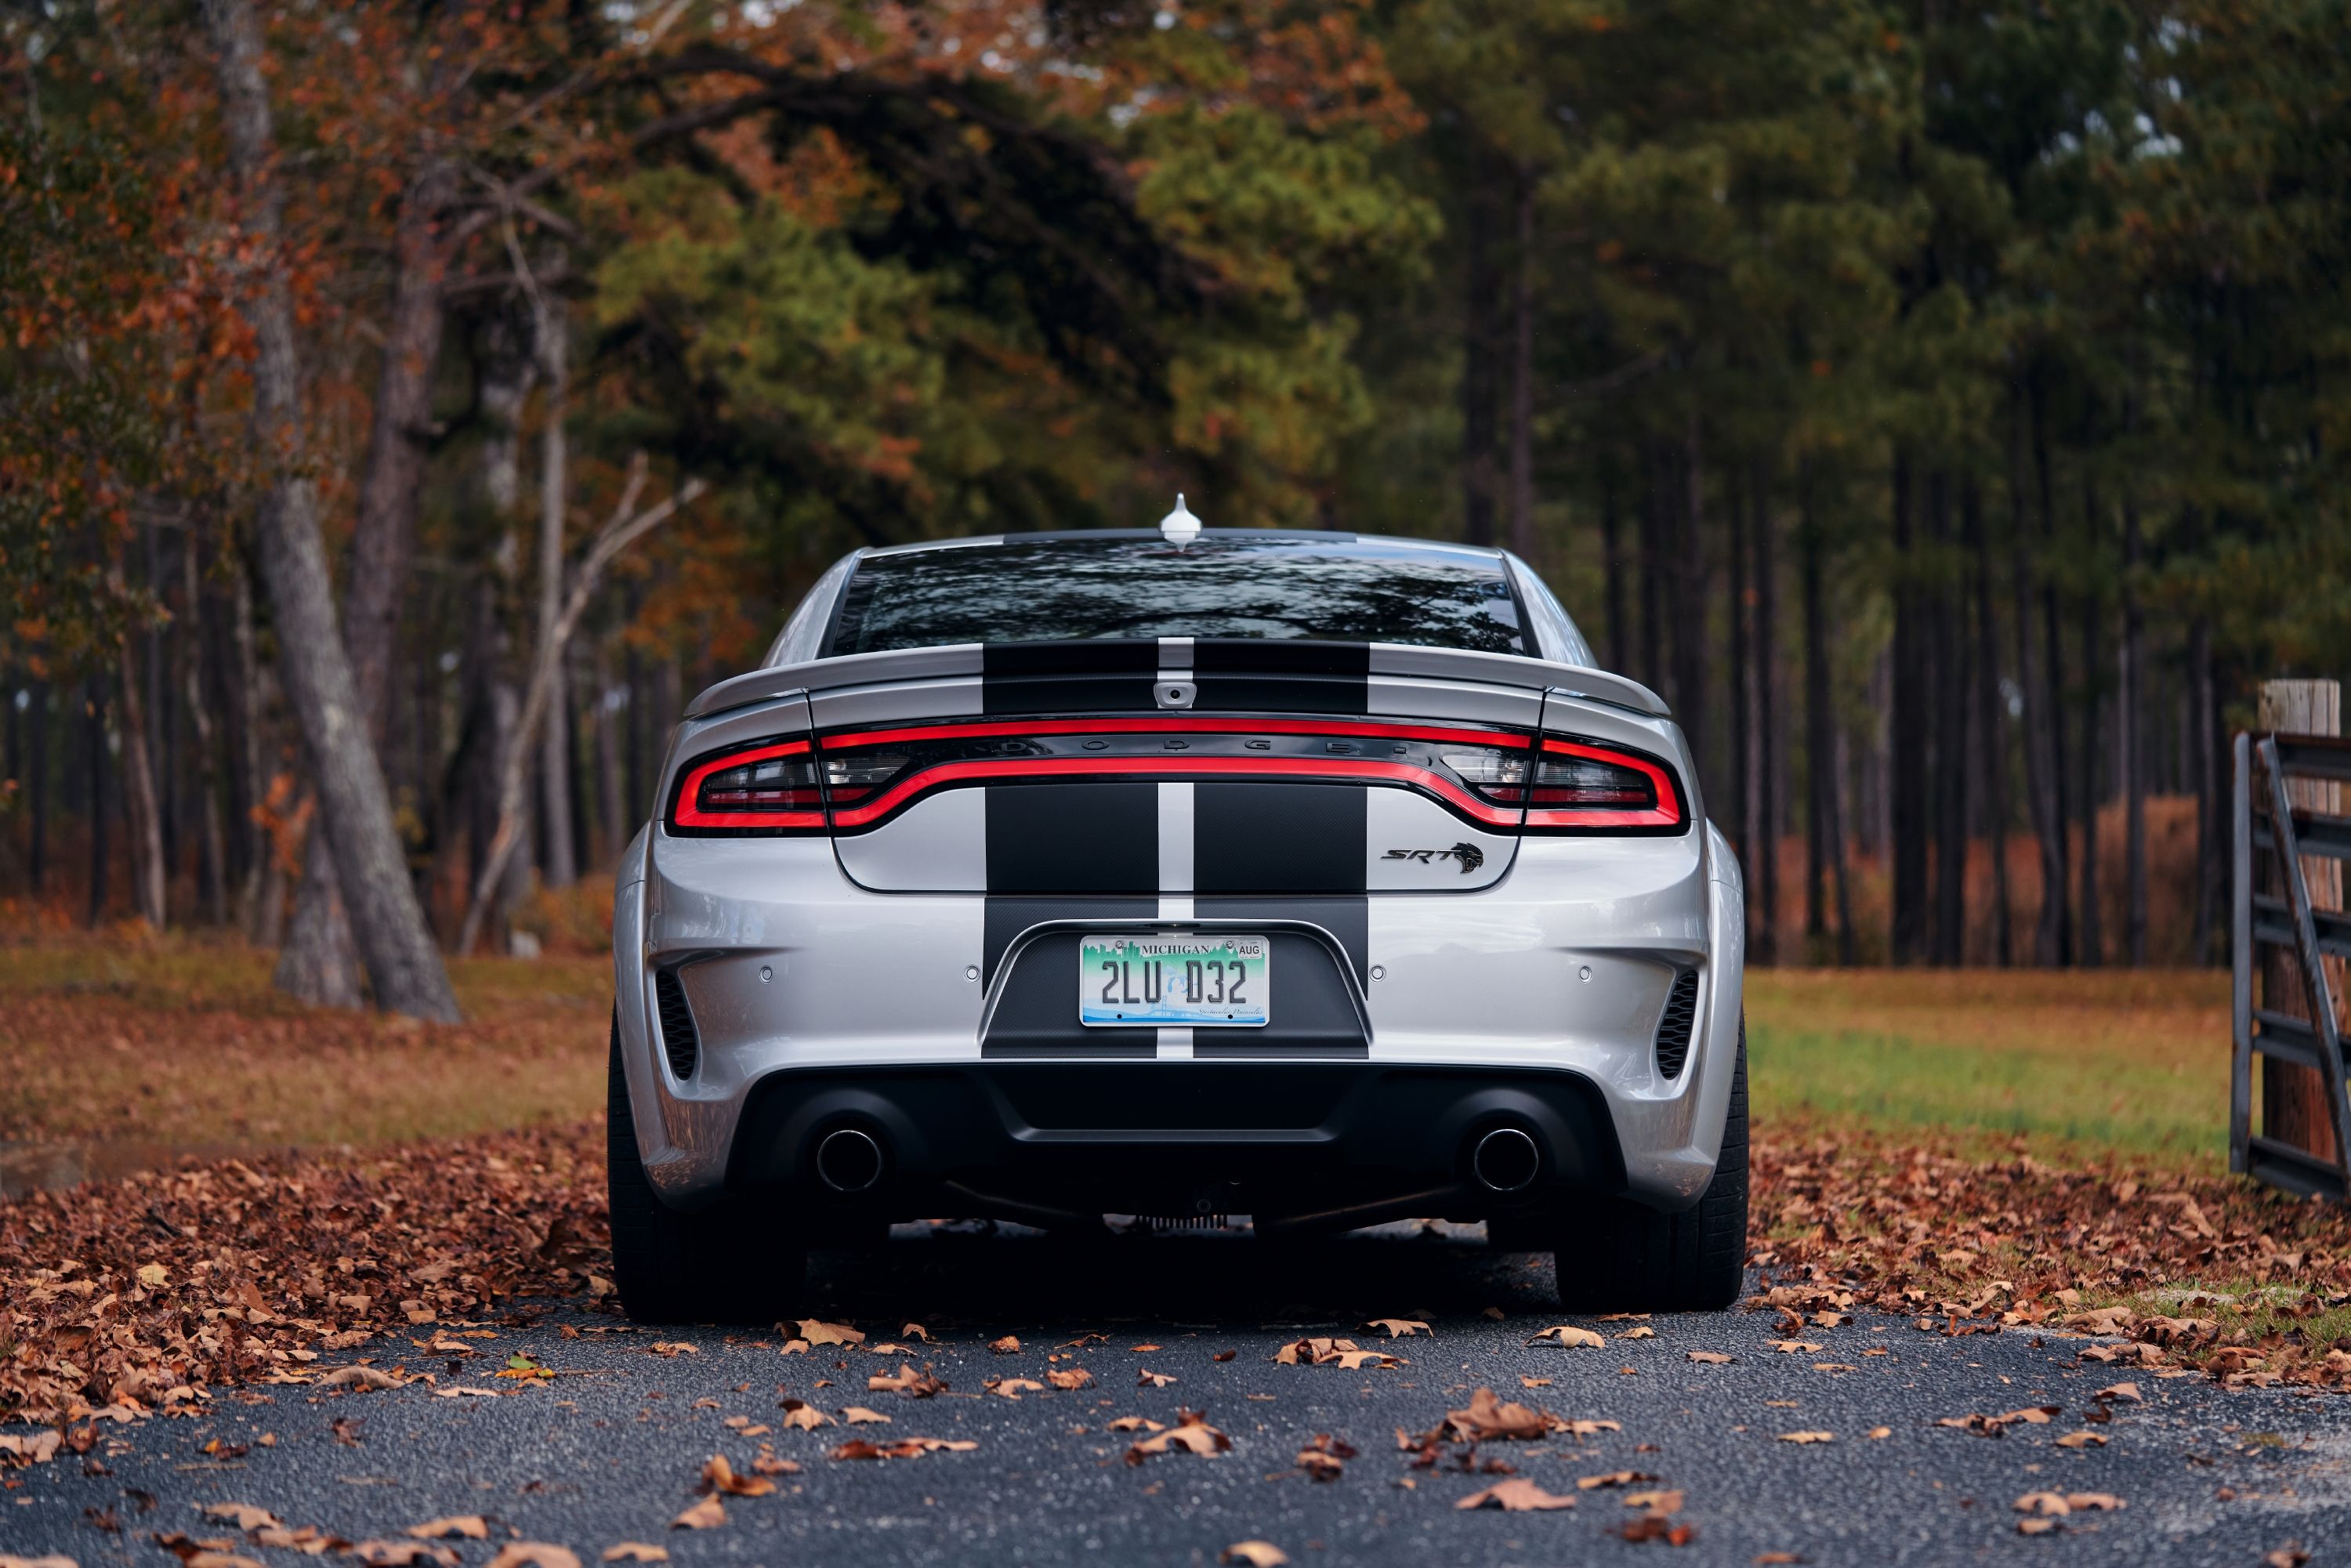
[[679, 1040], [1674, 1029]]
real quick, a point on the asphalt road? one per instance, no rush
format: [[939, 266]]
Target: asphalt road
[[611, 1449]]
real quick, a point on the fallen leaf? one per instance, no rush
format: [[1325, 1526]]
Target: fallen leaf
[[1399, 1328], [706, 1514], [1076, 1377], [397, 1554], [718, 1476], [1795, 1347], [1808, 1437], [1657, 1526], [2093, 1501], [459, 1391], [1488, 1417], [1134, 1424], [1008, 1345], [2037, 1526], [1010, 1388], [154, 1275], [1191, 1432], [1146, 1378], [360, 1379], [900, 1449], [1775, 1559], [1517, 1495], [244, 1515], [906, 1381], [1881, 1432], [1569, 1335], [917, 1330], [2083, 1440], [1638, 1331], [457, 1526], [1612, 1478], [1525, 1382], [636, 1551], [1656, 1502], [1252, 1554], [535, 1554], [802, 1415], [673, 1347], [1709, 1357], [816, 1332], [2118, 1391]]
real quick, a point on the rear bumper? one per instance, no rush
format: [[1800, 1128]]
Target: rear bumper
[[1334, 1144]]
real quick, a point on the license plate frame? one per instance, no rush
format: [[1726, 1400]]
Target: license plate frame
[[1138, 995]]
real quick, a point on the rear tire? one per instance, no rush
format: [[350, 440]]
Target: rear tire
[[1612, 1254], [728, 1263]]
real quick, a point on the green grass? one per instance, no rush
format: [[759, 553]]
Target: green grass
[[2132, 1063]]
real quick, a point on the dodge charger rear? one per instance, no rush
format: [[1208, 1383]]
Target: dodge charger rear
[[1312, 877]]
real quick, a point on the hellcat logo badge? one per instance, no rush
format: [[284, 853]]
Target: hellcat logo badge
[[1470, 856]]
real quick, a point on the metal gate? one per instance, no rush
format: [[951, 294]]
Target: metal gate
[[2272, 833]]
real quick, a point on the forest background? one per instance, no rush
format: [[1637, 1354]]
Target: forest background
[[406, 407]]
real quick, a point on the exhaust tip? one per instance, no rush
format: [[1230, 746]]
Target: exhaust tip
[[1505, 1160], [848, 1160]]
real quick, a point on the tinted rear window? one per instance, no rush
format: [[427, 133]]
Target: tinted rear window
[[1327, 587]]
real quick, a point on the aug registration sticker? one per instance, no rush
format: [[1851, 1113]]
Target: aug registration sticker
[[1204, 982]]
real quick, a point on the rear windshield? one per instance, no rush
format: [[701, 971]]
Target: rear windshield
[[1329, 586]]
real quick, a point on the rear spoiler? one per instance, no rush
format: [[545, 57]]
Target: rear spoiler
[[1110, 657]]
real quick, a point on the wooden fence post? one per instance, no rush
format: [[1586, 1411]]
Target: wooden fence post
[[2294, 1107]]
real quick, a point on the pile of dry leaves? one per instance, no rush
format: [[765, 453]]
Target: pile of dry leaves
[[129, 1297], [2196, 1270]]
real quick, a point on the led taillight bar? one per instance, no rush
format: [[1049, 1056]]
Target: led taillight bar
[[1661, 810], [759, 810]]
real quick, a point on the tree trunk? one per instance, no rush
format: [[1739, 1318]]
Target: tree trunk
[[1477, 365], [1848, 947], [1690, 607], [1993, 720], [207, 741], [2056, 916], [610, 791], [2093, 923], [1657, 509], [1739, 813], [320, 963], [551, 336], [1820, 746], [94, 726], [261, 862], [403, 966], [1523, 371], [1611, 559], [1910, 718], [2130, 701], [36, 768], [1950, 770], [1764, 941], [142, 809]]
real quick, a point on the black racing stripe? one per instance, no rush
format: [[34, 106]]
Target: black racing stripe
[[1313, 1011], [1282, 676], [1006, 919], [1075, 837], [1037, 1015], [1089, 675], [1274, 838]]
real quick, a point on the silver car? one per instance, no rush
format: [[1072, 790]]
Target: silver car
[[1177, 874]]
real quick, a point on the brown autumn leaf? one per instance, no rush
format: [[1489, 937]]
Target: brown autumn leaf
[[1877, 1432], [1399, 1328], [1612, 1478], [1516, 1495], [1133, 1424], [1008, 1345], [1709, 1357], [1570, 1337], [2037, 1526], [309, 1539], [817, 1332], [1191, 1432], [1071, 1377], [2118, 1391], [535, 1554], [457, 1526], [672, 1347], [1146, 1378], [906, 1381], [859, 1416], [243, 1515], [1795, 1347], [1775, 1559], [2043, 1502], [1316, 1352], [1638, 1331], [2083, 1440], [1654, 1501], [1254, 1554], [901, 1447], [1657, 1526], [635, 1552], [802, 1415], [706, 1514], [1808, 1437], [1013, 1388], [2093, 1501], [359, 1379], [718, 1476], [915, 1330], [398, 1554], [1487, 1417]]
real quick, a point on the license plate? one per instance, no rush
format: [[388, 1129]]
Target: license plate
[[1202, 982]]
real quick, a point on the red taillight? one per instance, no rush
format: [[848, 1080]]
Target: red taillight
[[767, 787], [1579, 786]]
